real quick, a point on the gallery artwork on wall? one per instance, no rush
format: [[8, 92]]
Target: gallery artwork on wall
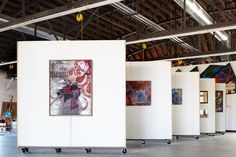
[[203, 97], [211, 71], [222, 74], [70, 87], [138, 93], [219, 101], [177, 96], [203, 113], [9, 108]]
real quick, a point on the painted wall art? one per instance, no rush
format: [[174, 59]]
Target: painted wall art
[[222, 74], [203, 97], [138, 93], [211, 71], [9, 107], [177, 96], [70, 87], [219, 101], [203, 113]]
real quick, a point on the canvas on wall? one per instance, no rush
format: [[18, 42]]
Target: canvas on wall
[[9, 107], [219, 101], [138, 93], [177, 96], [70, 87], [203, 97]]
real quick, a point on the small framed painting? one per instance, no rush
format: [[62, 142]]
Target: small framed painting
[[203, 97], [177, 96]]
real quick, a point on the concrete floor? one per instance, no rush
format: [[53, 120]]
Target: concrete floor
[[218, 146]]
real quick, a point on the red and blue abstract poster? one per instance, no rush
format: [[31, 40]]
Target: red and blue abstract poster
[[70, 87], [138, 93]]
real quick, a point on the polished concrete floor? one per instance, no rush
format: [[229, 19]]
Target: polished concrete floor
[[218, 146]]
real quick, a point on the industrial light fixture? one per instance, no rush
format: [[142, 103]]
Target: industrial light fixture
[[125, 9], [194, 9]]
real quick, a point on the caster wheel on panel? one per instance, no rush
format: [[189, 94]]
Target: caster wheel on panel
[[143, 141], [27, 150], [222, 133], [196, 137], [88, 150], [58, 150], [124, 151], [168, 141], [23, 150]]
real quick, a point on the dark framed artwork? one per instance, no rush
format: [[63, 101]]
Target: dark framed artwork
[[219, 101], [203, 97], [177, 96], [70, 87], [138, 93]]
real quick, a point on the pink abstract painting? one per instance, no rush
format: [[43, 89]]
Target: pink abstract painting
[[70, 87]]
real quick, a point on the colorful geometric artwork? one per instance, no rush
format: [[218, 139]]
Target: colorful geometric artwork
[[225, 75], [9, 108], [70, 87], [177, 96], [138, 93], [219, 101], [203, 113], [203, 97], [211, 71]]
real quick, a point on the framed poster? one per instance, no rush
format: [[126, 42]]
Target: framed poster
[[138, 93], [203, 97], [177, 96], [70, 87], [219, 101]]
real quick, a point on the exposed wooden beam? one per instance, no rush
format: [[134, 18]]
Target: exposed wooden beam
[[23, 7], [3, 5]]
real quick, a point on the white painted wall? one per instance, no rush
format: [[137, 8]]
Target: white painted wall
[[207, 125], [230, 112], [220, 116], [186, 117], [154, 121], [4, 91], [107, 126]]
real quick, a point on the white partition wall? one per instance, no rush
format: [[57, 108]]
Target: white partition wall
[[220, 116], [186, 116], [230, 112], [105, 128], [154, 121], [207, 120]]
